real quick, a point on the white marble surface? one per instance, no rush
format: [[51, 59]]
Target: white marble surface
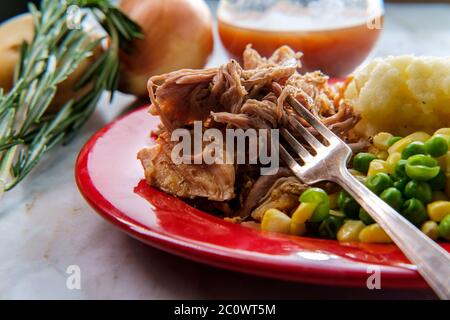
[[45, 225]]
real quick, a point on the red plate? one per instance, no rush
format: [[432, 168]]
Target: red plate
[[110, 178]]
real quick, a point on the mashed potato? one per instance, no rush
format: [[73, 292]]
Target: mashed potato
[[401, 95]]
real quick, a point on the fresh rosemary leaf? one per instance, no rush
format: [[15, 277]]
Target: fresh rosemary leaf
[[27, 130]]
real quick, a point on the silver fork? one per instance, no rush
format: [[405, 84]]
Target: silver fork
[[329, 164]]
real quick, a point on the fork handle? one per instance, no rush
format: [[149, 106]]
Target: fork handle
[[432, 261]]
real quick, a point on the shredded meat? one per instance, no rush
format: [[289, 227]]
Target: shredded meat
[[214, 182], [234, 96]]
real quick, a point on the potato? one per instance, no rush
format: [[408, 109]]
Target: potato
[[12, 34], [402, 95]]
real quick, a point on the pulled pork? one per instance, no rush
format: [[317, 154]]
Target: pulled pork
[[232, 96]]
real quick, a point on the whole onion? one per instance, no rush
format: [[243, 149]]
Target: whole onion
[[177, 35]]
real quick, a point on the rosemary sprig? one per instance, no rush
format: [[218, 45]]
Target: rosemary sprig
[[27, 132]]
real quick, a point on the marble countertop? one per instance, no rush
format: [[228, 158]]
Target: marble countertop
[[46, 226]]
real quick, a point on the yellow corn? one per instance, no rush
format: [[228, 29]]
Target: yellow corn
[[377, 166], [383, 155], [430, 228], [349, 232], [401, 144], [303, 212], [358, 175], [380, 141], [276, 221], [438, 210], [419, 136], [392, 161], [439, 196], [297, 229], [443, 131], [355, 173], [334, 200], [374, 234], [337, 213]]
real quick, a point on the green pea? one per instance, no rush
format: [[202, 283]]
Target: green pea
[[365, 217], [444, 228], [379, 182], [439, 182], [422, 168], [393, 140], [401, 184], [416, 147], [348, 205], [320, 197], [414, 210], [419, 190], [330, 226], [400, 169], [362, 161], [392, 197], [437, 145]]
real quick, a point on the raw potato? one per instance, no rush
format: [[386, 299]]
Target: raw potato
[[12, 34], [402, 95]]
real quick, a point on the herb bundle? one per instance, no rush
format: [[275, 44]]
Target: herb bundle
[[27, 129]]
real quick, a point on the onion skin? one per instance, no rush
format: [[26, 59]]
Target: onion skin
[[178, 34]]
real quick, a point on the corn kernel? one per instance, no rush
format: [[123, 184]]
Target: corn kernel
[[297, 229], [401, 144], [349, 232], [443, 131], [355, 173], [383, 155], [374, 234], [430, 228], [334, 200], [380, 141], [377, 166], [304, 211], [392, 161], [419, 136], [438, 210], [276, 221]]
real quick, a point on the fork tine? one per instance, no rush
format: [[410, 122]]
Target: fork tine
[[298, 148], [292, 164], [316, 144], [310, 118]]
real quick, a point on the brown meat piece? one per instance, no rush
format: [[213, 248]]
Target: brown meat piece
[[181, 97], [214, 182]]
